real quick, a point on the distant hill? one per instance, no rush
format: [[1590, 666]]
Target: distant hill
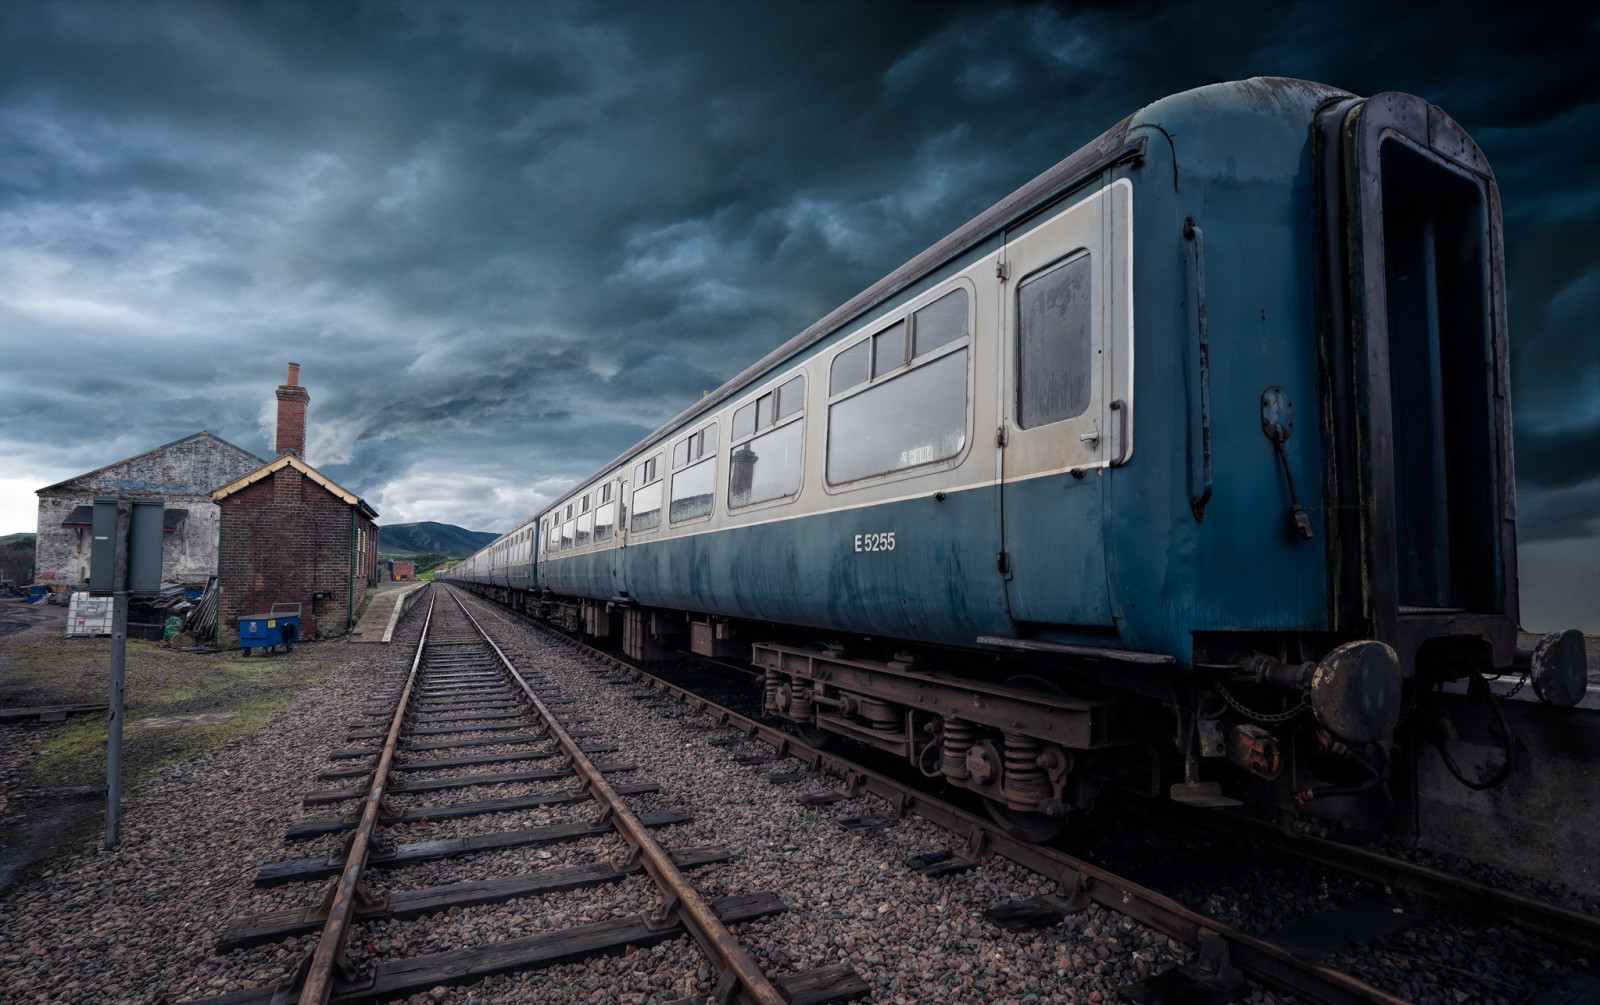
[[24, 539], [403, 540]]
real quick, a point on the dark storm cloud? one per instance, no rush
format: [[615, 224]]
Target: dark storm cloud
[[506, 240]]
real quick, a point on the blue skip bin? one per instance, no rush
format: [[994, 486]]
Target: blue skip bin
[[278, 627]]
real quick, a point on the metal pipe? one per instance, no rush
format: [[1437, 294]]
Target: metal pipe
[[1197, 241], [118, 674]]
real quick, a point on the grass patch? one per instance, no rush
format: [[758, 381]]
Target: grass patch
[[161, 683]]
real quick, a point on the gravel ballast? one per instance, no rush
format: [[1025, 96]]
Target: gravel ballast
[[137, 924]]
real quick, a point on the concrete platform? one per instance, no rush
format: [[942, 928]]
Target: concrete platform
[[384, 610]]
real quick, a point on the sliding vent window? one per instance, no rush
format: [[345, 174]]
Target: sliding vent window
[[939, 323], [694, 478], [1054, 356], [768, 446], [849, 369], [647, 497]]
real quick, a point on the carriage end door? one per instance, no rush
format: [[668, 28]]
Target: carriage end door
[[1066, 391]]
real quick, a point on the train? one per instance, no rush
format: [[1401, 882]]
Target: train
[[1184, 469]]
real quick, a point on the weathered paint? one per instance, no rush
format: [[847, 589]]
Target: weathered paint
[[183, 472]]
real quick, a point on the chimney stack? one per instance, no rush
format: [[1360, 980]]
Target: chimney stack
[[292, 402]]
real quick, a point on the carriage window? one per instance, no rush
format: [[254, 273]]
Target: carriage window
[[889, 349], [1054, 357], [694, 483], [567, 530], [791, 398], [647, 497], [605, 492], [552, 537], [744, 421], [605, 517], [939, 323], [849, 368], [693, 489], [769, 465], [585, 527], [766, 467], [913, 418]]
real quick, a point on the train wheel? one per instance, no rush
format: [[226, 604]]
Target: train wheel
[[1023, 824], [815, 736], [1026, 825]]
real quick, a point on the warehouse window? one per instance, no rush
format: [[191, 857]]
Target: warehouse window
[[767, 458], [647, 496], [1054, 356], [904, 390], [694, 478]]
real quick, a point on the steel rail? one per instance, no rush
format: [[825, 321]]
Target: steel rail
[[329, 950], [1562, 925], [1265, 961], [697, 915]]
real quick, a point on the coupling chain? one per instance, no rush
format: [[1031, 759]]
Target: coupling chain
[[1238, 706], [1520, 685]]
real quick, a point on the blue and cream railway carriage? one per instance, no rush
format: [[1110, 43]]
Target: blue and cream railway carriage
[[1195, 451]]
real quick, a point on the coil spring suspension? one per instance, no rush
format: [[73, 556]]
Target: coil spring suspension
[[959, 736], [800, 705], [771, 680], [1026, 781]]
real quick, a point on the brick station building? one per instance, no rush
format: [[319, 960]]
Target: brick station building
[[290, 534]]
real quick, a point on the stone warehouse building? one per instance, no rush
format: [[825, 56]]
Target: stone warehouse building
[[290, 534], [183, 472]]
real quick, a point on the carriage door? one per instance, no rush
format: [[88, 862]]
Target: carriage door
[[1065, 403]]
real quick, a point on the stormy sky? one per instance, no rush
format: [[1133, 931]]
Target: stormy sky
[[506, 240]]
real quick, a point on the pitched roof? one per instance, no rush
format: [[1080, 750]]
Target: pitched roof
[[202, 435], [291, 461]]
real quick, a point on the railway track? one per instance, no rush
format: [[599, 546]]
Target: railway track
[[463, 704], [1222, 949]]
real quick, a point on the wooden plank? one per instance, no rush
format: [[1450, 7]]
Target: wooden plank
[[465, 966], [47, 713], [489, 741], [453, 782], [324, 796], [823, 986], [271, 926], [465, 716], [372, 732], [317, 826], [308, 869]]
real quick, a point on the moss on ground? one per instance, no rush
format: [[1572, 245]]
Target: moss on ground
[[251, 687], [40, 667]]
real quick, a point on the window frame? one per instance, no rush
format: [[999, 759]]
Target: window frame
[[776, 422], [868, 334], [651, 461], [696, 454]]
